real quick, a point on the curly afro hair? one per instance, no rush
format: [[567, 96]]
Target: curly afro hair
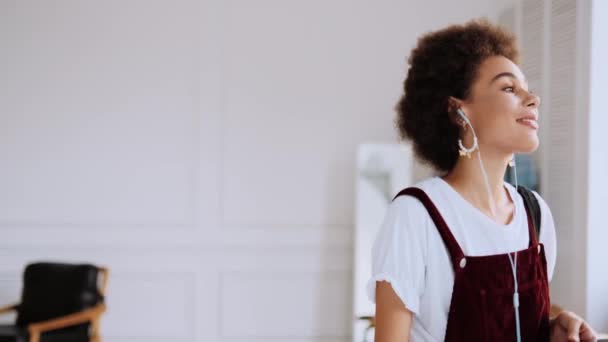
[[444, 63]]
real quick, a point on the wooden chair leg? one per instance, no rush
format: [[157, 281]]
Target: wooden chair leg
[[34, 337], [95, 331]]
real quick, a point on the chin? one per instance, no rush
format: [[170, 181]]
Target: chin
[[528, 145]]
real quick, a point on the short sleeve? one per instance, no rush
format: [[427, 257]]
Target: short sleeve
[[399, 252], [547, 234]]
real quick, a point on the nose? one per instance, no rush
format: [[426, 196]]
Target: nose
[[532, 100]]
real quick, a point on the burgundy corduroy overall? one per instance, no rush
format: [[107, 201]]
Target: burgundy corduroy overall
[[482, 299]]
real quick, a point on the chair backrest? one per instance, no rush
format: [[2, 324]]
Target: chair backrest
[[52, 290]]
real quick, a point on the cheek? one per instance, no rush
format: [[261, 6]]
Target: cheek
[[502, 116], [500, 103], [496, 115], [499, 128]]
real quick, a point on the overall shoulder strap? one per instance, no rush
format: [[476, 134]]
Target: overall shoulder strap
[[531, 203], [449, 240]]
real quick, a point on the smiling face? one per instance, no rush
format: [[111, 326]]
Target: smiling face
[[501, 108]]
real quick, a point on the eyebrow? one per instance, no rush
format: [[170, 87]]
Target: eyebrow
[[507, 74]]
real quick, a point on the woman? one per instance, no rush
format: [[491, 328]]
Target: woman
[[445, 261]]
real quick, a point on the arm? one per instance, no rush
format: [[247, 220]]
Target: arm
[[393, 319]]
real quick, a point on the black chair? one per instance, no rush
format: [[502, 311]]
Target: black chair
[[59, 303]]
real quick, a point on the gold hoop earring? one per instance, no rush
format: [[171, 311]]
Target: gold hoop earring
[[464, 151]]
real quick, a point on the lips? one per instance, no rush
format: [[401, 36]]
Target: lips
[[528, 120]]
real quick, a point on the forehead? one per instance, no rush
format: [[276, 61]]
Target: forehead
[[496, 65]]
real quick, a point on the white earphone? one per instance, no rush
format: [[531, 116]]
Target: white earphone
[[512, 260], [464, 117]]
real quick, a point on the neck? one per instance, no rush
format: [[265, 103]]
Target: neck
[[467, 178]]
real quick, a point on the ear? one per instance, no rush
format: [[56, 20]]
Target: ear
[[452, 106]]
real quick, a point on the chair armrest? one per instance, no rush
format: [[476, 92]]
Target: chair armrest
[[371, 320], [88, 315], [104, 279], [9, 308]]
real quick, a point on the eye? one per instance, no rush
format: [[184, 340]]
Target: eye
[[512, 89]]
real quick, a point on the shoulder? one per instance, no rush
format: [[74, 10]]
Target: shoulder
[[545, 211], [406, 222], [406, 219], [410, 207], [547, 234], [547, 225], [405, 215], [540, 199], [544, 208], [405, 205]]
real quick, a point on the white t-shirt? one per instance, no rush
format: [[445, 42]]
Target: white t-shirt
[[409, 253]]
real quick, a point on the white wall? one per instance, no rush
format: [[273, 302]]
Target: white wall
[[203, 150], [562, 68], [564, 53], [597, 277]]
